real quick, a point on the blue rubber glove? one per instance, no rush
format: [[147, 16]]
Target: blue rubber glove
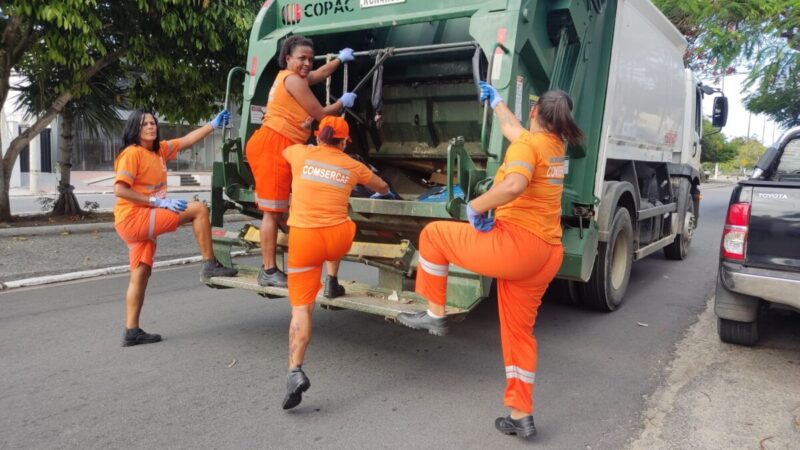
[[488, 92], [169, 203], [479, 221], [221, 120], [345, 55], [348, 98], [387, 196]]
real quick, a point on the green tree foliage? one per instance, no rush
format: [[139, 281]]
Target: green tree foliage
[[716, 148], [762, 36], [748, 151], [177, 52]]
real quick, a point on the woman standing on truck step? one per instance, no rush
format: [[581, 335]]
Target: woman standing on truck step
[[520, 247], [289, 106], [319, 230], [143, 211]]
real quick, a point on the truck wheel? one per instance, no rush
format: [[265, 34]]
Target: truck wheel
[[739, 333], [679, 249], [612, 269]]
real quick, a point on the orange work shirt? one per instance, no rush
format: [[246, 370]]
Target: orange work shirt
[[284, 114], [539, 157], [322, 179], [145, 172]]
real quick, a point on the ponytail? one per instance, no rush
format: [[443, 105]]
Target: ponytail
[[554, 113], [326, 136]]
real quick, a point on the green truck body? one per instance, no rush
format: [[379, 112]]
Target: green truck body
[[418, 121]]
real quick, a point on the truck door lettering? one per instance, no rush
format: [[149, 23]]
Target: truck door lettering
[[327, 7]]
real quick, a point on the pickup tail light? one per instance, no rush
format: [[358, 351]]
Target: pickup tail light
[[734, 235]]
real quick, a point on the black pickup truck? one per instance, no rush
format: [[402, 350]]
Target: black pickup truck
[[759, 263]]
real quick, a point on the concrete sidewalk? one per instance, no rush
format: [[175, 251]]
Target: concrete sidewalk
[[102, 182]]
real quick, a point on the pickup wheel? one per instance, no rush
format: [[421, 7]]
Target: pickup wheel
[[739, 333], [679, 249], [612, 269]]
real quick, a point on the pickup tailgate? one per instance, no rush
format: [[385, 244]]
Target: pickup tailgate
[[774, 233]]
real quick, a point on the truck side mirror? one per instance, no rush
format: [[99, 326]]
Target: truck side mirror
[[720, 115]]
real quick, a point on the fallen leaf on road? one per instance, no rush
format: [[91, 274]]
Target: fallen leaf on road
[[20, 238], [233, 363], [642, 324], [86, 260], [65, 233], [761, 443]]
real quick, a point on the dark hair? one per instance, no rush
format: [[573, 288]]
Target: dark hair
[[289, 45], [554, 113], [326, 136], [130, 136]]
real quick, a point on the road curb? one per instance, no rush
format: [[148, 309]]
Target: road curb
[[85, 274], [47, 230]]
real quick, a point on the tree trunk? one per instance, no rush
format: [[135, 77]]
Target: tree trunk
[[67, 204], [17, 144], [5, 201]]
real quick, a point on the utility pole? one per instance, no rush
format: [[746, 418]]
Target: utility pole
[[749, 117], [764, 132], [34, 163]]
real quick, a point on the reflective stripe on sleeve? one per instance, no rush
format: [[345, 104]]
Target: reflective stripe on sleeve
[[522, 164], [520, 374], [439, 270], [125, 173]]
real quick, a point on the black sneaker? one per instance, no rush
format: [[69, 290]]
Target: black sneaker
[[136, 336], [523, 427], [423, 321], [213, 268], [297, 382], [332, 288], [277, 279]]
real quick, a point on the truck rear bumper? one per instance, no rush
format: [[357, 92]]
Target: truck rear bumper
[[771, 285]]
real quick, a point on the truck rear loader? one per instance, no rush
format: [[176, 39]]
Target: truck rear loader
[[631, 189]]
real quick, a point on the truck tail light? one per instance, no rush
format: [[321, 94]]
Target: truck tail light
[[734, 235]]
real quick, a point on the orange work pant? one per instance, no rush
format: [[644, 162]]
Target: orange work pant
[[140, 230], [272, 173], [523, 265], [309, 248]]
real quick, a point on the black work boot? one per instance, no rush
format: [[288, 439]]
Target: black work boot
[[136, 336], [522, 427], [332, 287], [296, 383], [276, 278], [213, 268], [424, 321]]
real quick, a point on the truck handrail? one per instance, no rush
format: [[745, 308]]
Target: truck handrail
[[484, 131], [231, 73]]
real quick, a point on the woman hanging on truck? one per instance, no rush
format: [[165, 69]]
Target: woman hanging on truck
[[143, 211], [520, 246], [319, 230], [289, 106]]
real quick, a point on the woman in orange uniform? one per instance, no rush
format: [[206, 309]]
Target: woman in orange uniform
[[285, 123], [319, 230], [520, 247], [143, 211]]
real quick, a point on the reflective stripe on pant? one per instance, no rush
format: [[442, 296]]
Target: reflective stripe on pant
[[523, 264], [140, 230], [309, 248]]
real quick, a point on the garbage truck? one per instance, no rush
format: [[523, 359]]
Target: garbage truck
[[631, 188]]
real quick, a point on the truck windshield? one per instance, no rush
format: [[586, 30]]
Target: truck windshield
[[790, 160]]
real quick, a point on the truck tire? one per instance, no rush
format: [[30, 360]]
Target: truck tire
[[678, 250], [739, 333], [612, 268]]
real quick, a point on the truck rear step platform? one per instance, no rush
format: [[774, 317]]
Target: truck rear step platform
[[359, 297]]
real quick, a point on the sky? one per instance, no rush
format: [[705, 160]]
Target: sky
[[762, 129]]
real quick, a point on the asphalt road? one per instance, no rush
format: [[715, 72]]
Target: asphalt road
[[219, 377]]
